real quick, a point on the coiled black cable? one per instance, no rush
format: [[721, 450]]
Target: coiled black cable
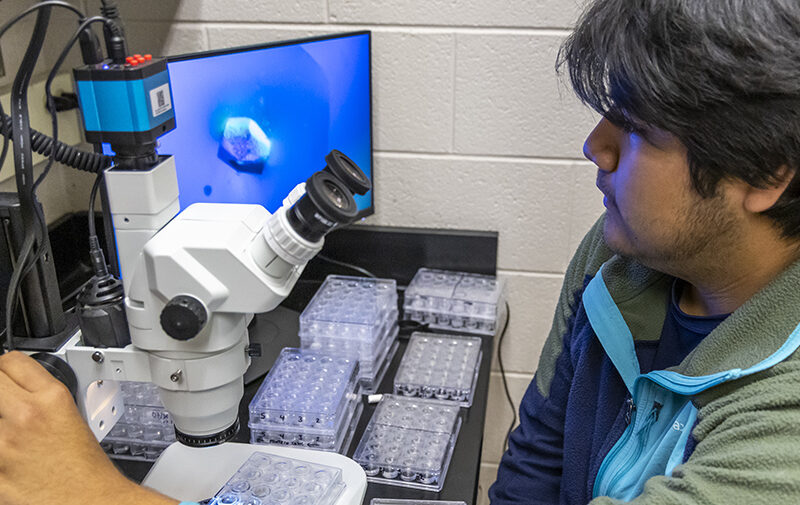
[[66, 154]]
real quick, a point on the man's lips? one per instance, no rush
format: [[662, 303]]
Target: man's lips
[[608, 201]]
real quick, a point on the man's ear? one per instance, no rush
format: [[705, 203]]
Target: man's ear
[[757, 200]]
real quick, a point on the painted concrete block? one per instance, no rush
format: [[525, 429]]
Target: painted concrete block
[[529, 202], [220, 37], [413, 91], [498, 413], [503, 13], [165, 39], [532, 299], [214, 11], [509, 100], [487, 476]]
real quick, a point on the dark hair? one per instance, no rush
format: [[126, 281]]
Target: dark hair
[[723, 76]]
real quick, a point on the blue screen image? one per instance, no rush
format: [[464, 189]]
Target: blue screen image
[[253, 123]]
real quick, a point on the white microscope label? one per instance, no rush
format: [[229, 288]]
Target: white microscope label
[[160, 101]]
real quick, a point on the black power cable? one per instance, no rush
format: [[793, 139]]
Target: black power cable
[[6, 133], [26, 140], [362, 271], [49, 95], [23, 161], [503, 375], [64, 153]]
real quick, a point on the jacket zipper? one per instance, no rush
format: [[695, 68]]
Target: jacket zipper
[[630, 417], [641, 436]]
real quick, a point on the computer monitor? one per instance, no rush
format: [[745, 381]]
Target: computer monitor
[[253, 122]]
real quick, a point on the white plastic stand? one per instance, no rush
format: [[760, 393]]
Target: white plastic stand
[[189, 474]]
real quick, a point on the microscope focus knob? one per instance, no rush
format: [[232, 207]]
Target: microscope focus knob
[[183, 317]]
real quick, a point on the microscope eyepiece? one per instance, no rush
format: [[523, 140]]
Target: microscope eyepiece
[[326, 204], [345, 169], [328, 201]]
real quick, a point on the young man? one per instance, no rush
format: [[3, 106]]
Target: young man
[[670, 374], [698, 156]]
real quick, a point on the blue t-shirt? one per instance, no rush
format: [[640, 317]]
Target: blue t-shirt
[[681, 333]]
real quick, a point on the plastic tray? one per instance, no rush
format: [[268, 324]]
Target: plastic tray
[[409, 442], [266, 479], [339, 441], [349, 308], [144, 430], [454, 300], [308, 398], [444, 367], [353, 315]]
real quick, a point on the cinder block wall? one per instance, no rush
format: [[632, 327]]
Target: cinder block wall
[[472, 130]]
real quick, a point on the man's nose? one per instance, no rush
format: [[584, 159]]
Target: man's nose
[[602, 146]]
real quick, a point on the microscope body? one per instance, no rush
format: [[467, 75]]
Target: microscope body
[[208, 270]]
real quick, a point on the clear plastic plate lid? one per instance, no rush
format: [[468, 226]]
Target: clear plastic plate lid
[[266, 479], [456, 287], [349, 306], [439, 366], [304, 389], [409, 442]]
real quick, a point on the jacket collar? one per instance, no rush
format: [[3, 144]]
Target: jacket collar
[[747, 337]]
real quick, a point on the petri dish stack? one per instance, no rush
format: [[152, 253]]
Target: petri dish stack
[[409, 442], [459, 301], [266, 479], [358, 316], [392, 501], [439, 366], [308, 399], [145, 429]]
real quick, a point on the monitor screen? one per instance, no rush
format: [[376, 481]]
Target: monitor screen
[[253, 122]]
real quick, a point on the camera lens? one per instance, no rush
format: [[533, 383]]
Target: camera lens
[[326, 204], [344, 169]]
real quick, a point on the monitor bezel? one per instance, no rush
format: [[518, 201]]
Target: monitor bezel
[[317, 38]]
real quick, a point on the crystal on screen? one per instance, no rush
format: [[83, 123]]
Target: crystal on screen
[[266, 479], [457, 301], [439, 366], [244, 145], [354, 315], [308, 399], [145, 429], [409, 442]]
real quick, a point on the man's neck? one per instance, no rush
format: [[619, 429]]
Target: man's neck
[[735, 277]]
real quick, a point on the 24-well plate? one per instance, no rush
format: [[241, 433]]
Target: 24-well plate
[[409, 442]]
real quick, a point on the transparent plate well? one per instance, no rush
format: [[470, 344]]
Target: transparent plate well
[[265, 479], [306, 399], [409, 442], [444, 367], [145, 429], [454, 300]]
